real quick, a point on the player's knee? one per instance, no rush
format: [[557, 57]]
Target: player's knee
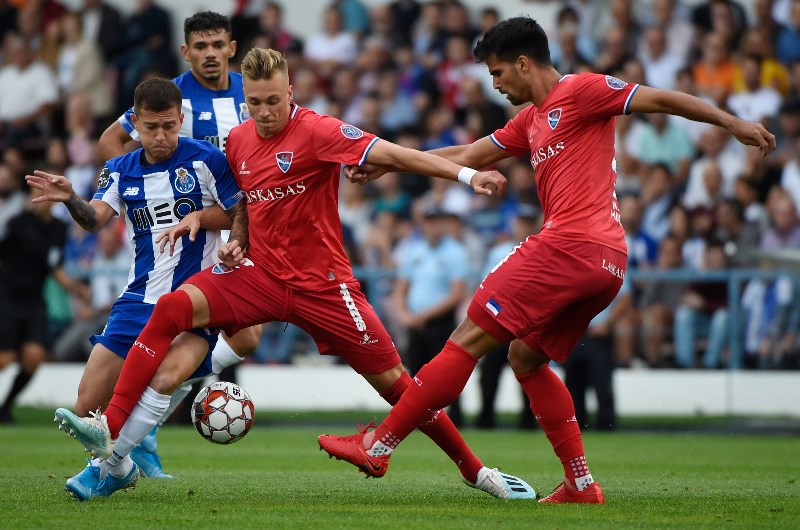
[[176, 308], [32, 357], [524, 360], [246, 341], [165, 382]]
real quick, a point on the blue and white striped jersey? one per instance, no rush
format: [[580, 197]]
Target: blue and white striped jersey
[[208, 114], [155, 198]]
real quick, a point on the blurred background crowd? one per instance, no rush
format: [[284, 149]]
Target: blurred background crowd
[[692, 198]]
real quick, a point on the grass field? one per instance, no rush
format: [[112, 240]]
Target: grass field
[[277, 478]]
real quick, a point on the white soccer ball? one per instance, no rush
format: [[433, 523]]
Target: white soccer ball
[[222, 412]]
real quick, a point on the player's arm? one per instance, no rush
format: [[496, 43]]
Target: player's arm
[[232, 252], [387, 154], [478, 154], [648, 99], [112, 142], [91, 216], [213, 218]]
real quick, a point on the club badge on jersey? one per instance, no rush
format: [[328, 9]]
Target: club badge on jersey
[[184, 181], [244, 112], [553, 117], [284, 159]]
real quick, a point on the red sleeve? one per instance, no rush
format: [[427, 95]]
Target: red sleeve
[[339, 142], [599, 97], [514, 136]]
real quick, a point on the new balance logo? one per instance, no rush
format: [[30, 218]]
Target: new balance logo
[[131, 191], [204, 116]]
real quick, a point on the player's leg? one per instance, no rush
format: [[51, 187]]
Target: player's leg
[[175, 312], [552, 404], [32, 355], [185, 356], [27, 335], [97, 382], [191, 306]]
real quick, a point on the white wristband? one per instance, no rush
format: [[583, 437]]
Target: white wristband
[[465, 175]]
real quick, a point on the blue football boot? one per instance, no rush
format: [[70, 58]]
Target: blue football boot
[[110, 483], [83, 485], [146, 457]]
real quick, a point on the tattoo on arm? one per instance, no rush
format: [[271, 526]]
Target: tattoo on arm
[[240, 225], [83, 213]]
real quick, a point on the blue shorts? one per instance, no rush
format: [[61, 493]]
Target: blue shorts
[[126, 321]]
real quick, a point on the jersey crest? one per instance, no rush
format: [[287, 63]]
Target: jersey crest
[[351, 131], [244, 112], [614, 83], [553, 117], [284, 159], [104, 179], [184, 181]]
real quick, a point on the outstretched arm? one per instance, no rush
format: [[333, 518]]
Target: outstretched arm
[[91, 216], [391, 155], [647, 99], [214, 218], [478, 154]]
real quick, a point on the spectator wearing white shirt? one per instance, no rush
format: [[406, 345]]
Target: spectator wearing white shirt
[[333, 47], [790, 176], [661, 66], [757, 102], [729, 163], [28, 93], [679, 32]]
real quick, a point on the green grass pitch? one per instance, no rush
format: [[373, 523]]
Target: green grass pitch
[[277, 478]]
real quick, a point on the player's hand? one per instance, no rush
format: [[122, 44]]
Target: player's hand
[[750, 133], [188, 225], [231, 254], [488, 183], [364, 174], [53, 188]]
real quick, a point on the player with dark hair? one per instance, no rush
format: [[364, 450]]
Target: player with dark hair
[[213, 103], [543, 294], [156, 187], [287, 162]]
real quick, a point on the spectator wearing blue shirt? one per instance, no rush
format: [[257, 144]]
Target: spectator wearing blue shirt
[[432, 276]]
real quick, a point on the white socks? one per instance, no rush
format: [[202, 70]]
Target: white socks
[[180, 393], [145, 415], [223, 356]]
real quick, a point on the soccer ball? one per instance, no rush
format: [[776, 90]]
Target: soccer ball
[[222, 413]]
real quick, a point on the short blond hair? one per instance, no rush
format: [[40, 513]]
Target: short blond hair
[[261, 63]]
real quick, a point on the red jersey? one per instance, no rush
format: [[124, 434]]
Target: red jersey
[[570, 138], [291, 182]]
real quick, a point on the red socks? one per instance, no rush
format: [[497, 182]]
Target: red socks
[[172, 315], [438, 427], [553, 407]]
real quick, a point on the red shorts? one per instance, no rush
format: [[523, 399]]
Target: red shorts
[[338, 318], [546, 291]]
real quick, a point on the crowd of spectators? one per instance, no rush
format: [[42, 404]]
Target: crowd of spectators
[[691, 197]]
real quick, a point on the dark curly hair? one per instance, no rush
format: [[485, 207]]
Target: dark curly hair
[[205, 22], [514, 37]]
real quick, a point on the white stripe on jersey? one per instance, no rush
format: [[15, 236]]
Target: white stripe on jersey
[[159, 280], [188, 120], [227, 117], [210, 197]]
